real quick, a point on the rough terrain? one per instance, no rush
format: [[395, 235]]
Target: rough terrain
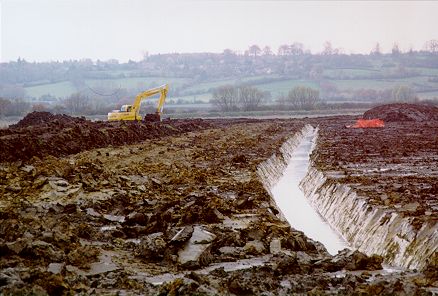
[[41, 133], [181, 212], [395, 166]]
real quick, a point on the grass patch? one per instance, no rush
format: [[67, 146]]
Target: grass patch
[[59, 89]]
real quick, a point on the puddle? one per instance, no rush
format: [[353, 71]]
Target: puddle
[[294, 205], [108, 228]]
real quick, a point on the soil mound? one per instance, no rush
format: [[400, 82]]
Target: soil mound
[[46, 118], [42, 133], [403, 112]]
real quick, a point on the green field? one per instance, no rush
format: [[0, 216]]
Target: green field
[[334, 73], [66, 88], [354, 84], [141, 83], [191, 91], [427, 71], [283, 87], [204, 87], [60, 89]]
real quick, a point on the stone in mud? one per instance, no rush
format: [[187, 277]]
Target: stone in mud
[[232, 251], [275, 246], [17, 246], [201, 236], [258, 281], [42, 250], [92, 212], [28, 168], [359, 261], [244, 201], [254, 247], [431, 270], [136, 218], [350, 260], [14, 188], [83, 256], [286, 264], [9, 276], [55, 268], [152, 247], [196, 251], [183, 235]]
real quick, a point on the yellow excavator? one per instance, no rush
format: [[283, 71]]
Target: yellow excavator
[[132, 112]]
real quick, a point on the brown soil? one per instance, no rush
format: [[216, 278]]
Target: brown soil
[[403, 112], [119, 219], [40, 134]]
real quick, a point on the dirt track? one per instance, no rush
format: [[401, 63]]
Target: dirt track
[[125, 218]]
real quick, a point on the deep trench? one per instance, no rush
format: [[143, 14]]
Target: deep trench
[[295, 207]]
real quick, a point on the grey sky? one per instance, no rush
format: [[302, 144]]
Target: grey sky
[[44, 30]]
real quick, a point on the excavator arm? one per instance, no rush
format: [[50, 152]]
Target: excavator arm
[[162, 90]]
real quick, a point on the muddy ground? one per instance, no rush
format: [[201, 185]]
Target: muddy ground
[[395, 166], [181, 212]]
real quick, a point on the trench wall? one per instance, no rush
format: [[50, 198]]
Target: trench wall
[[271, 170], [369, 228]]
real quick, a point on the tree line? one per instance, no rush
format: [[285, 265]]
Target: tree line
[[229, 98]]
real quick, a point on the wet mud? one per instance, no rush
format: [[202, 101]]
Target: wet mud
[[174, 208]]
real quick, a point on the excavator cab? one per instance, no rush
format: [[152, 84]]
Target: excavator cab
[[126, 108]]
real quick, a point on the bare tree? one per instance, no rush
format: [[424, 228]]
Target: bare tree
[[283, 49], [302, 97], [395, 49], [431, 46], [267, 51], [254, 50], [296, 48], [228, 52], [249, 97], [4, 106], [77, 104], [225, 97], [17, 107], [376, 49], [328, 49], [403, 93]]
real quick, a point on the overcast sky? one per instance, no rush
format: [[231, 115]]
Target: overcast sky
[[45, 30]]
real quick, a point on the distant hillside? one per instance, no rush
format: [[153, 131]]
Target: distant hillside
[[192, 77]]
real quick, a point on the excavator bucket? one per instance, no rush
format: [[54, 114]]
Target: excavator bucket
[[152, 117], [367, 123]]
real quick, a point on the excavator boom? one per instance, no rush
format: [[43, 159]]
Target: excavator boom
[[132, 112]]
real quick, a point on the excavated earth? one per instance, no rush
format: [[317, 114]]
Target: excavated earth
[[177, 208], [400, 112], [41, 133]]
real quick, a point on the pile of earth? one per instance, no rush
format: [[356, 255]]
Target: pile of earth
[[403, 112], [41, 134], [45, 118]]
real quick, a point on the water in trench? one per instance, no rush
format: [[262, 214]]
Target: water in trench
[[294, 205]]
